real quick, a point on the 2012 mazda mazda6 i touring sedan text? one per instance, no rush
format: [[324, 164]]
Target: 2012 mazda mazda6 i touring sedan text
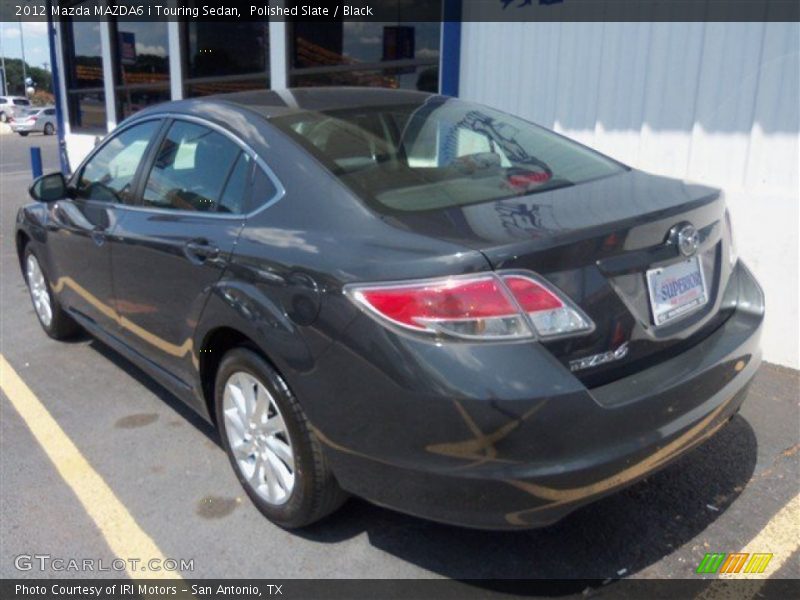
[[425, 302]]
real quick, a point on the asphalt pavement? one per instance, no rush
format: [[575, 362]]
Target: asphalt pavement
[[166, 467]]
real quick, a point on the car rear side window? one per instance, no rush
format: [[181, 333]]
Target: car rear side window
[[263, 191], [108, 175], [235, 194], [190, 169]]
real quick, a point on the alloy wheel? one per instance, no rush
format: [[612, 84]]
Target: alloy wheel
[[258, 437], [39, 292]]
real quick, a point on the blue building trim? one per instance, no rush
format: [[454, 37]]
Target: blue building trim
[[451, 48], [56, 84]]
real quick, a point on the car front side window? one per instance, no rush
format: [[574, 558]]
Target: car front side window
[[108, 176]]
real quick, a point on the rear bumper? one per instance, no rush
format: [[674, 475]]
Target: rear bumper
[[503, 436], [17, 127]]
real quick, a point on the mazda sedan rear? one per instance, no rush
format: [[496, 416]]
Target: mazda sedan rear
[[421, 301]]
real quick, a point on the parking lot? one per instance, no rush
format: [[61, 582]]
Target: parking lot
[[163, 468]]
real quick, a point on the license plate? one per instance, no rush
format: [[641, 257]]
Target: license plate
[[676, 290]]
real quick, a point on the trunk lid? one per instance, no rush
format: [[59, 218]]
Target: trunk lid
[[595, 241]]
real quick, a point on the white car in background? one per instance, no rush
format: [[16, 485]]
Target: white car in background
[[41, 119], [11, 106]]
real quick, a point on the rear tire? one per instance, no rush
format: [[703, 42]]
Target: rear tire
[[54, 320], [23, 133], [49, 129], [292, 486]]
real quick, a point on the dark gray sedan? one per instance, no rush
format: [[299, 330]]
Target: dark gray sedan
[[422, 301]]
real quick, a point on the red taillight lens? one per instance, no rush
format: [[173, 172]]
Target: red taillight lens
[[463, 307], [532, 296], [551, 315], [477, 307]]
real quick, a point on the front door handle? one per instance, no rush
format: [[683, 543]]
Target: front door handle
[[199, 250]]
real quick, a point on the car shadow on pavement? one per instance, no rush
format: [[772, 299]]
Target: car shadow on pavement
[[611, 538], [153, 387]]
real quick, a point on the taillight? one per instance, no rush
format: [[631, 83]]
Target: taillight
[[551, 314], [488, 307]]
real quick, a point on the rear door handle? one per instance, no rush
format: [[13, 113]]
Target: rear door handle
[[98, 235], [199, 250]]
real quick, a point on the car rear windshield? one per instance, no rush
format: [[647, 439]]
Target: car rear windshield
[[442, 153]]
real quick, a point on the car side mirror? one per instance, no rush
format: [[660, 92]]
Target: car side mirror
[[49, 188]]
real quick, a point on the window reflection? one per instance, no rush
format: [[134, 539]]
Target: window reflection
[[142, 52], [87, 111], [425, 79], [397, 55], [352, 43], [226, 48], [225, 85], [130, 101], [87, 60], [84, 77], [225, 57]]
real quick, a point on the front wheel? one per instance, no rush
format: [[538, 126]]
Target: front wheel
[[276, 457], [53, 319]]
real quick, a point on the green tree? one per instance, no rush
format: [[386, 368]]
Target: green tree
[[16, 86]]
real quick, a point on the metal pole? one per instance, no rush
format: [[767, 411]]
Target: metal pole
[[60, 100], [24, 68], [36, 161], [3, 63]]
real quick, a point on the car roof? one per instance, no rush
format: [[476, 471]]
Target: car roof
[[273, 103]]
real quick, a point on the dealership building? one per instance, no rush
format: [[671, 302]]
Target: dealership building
[[715, 102]]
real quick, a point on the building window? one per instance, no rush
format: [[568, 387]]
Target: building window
[[84, 65], [395, 55], [141, 65], [225, 57]]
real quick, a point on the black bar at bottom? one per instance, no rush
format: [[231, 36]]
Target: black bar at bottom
[[391, 589]]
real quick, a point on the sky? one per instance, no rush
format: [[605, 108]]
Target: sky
[[37, 51]]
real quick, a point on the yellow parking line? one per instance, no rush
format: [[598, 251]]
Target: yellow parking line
[[779, 537], [124, 536]]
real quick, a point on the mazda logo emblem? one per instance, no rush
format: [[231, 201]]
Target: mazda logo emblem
[[688, 240]]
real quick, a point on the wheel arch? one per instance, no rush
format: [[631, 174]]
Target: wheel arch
[[22, 240], [216, 343], [238, 313]]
